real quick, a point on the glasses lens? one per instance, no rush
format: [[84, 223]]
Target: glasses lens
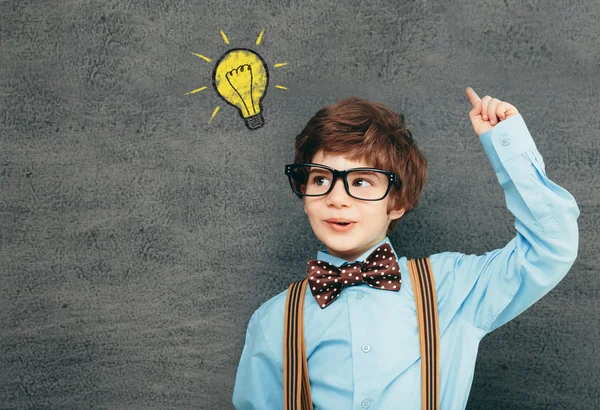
[[367, 184], [309, 180]]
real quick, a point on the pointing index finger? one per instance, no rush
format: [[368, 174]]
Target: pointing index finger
[[473, 97]]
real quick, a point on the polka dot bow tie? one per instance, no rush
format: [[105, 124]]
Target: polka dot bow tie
[[380, 271]]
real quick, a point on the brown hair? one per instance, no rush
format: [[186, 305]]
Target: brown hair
[[360, 129]]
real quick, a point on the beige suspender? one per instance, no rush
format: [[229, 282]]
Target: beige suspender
[[421, 277], [296, 389], [296, 386]]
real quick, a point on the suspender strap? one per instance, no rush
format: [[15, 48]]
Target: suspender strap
[[421, 276], [296, 387]]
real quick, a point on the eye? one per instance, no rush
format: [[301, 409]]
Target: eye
[[319, 180], [364, 180]]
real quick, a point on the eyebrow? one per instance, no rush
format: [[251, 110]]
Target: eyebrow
[[376, 174], [358, 169], [317, 169]]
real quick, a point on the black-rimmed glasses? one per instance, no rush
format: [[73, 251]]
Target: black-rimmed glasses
[[368, 184]]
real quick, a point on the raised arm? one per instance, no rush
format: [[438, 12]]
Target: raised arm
[[501, 284]]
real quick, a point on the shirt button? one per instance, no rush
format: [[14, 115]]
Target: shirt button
[[365, 404], [505, 141], [366, 348], [359, 295]]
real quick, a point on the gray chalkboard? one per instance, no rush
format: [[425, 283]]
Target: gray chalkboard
[[122, 203]]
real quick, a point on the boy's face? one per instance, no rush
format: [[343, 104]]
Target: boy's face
[[371, 218]]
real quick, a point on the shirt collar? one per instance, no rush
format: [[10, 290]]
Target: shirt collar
[[324, 255]]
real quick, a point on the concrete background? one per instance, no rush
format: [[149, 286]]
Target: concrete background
[[120, 205]]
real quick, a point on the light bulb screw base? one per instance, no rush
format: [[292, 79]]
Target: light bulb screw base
[[255, 122]]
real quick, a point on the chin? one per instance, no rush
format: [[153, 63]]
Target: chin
[[341, 242], [340, 245]]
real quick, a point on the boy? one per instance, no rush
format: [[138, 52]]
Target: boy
[[362, 343]]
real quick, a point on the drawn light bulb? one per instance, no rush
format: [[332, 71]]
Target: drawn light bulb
[[240, 78]]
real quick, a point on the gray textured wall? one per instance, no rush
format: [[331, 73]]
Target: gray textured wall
[[120, 204]]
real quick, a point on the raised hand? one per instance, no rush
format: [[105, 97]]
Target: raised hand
[[488, 111]]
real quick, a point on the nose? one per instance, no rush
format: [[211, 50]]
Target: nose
[[338, 194]]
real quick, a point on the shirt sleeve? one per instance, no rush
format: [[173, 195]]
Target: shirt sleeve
[[501, 284], [259, 378]]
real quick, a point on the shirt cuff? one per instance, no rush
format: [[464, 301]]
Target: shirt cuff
[[507, 140]]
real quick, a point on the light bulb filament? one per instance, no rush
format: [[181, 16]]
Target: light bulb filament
[[241, 82]]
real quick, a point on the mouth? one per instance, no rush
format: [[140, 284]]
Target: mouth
[[340, 225], [340, 221]]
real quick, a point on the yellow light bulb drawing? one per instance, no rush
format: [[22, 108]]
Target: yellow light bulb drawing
[[240, 78]]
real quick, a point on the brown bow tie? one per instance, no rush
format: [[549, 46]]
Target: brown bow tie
[[380, 271]]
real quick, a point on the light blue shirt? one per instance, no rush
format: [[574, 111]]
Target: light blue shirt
[[363, 349]]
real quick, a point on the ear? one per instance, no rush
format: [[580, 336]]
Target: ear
[[396, 213]]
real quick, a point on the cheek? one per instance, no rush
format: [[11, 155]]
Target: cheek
[[373, 214], [311, 208]]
